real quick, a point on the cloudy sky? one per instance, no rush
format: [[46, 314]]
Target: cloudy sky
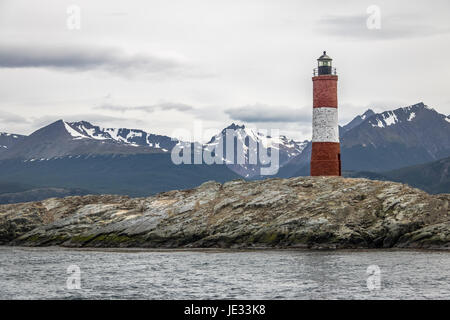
[[163, 65]]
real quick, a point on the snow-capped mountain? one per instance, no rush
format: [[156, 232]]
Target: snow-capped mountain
[[250, 139], [63, 138], [389, 118], [397, 138], [133, 137]]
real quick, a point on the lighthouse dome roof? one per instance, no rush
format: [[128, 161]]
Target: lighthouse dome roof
[[324, 56]]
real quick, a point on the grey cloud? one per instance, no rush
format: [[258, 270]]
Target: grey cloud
[[7, 117], [392, 27], [266, 113], [92, 117], [148, 108], [86, 58]]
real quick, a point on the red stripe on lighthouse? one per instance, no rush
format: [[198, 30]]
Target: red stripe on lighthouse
[[325, 91], [325, 159]]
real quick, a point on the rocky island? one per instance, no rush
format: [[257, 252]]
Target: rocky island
[[302, 212]]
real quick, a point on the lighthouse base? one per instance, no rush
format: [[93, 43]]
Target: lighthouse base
[[325, 168], [325, 159]]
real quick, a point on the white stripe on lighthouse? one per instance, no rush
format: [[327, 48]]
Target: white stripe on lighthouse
[[325, 125]]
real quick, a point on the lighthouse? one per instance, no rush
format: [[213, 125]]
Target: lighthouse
[[325, 153]]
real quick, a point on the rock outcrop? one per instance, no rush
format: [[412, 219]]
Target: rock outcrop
[[303, 212]]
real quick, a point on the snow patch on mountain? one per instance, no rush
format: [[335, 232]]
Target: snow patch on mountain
[[390, 118], [91, 133], [75, 134], [131, 137], [387, 119], [378, 124]]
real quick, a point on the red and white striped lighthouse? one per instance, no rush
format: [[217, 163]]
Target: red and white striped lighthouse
[[325, 154]]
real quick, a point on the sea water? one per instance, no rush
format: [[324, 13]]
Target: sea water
[[58, 273]]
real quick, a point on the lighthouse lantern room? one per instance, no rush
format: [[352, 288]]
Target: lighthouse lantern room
[[324, 65]]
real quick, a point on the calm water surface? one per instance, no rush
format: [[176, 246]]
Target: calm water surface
[[41, 273]]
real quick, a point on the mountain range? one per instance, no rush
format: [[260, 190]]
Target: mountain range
[[81, 157], [389, 140], [62, 138], [398, 138]]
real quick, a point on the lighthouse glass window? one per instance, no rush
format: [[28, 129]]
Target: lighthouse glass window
[[324, 63]]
